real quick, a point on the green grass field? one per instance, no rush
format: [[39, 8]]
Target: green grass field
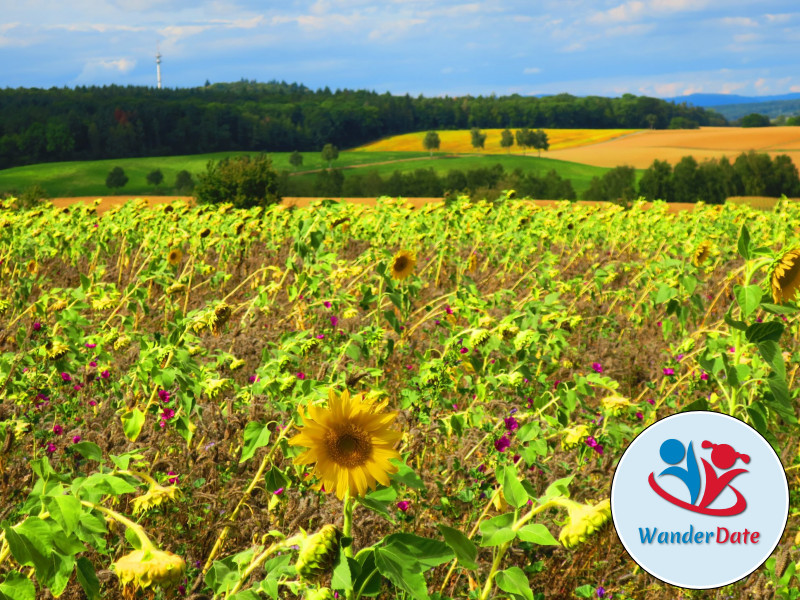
[[87, 178]]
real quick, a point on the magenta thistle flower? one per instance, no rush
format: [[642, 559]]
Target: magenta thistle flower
[[76, 439], [599, 449], [301, 375], [174, 478], [66, 377], [598, 368], [163, 395], [639, 416], [502, 444], [321, 336], [463, 351], [334, 321], [404, 505], [327, 304], [51, 447], [105, 374], [58, 429], [92, 403], [90, 346], [511, 423], [37, 326], [591, 442], [448, 310], [704, 376], [92, 364], [278, 492], [669, 371]]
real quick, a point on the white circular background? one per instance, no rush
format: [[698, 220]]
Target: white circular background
[[635, 505]]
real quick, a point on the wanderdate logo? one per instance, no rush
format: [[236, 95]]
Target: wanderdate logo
[[699, 500]]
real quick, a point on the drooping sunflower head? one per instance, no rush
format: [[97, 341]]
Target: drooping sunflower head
[[33, 267], [154, 496], [785, 277], [583, 521], [174, 256], [702, 253], [350, 444], [403, 264], [144, 568]]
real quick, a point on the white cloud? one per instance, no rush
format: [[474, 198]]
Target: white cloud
[[574, 47], [123, 65], [739, 22], [531, 70], [760, 84], [779, 18], [745, 38], [390, 32], [638, 29], [630, 11], [731, 87], [795, 88]]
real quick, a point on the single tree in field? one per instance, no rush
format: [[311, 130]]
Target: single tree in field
[[330, 153], [184, 184], [155, 177], [523, 138], [506, 139], [431, 142], [478, 138], [296, 159], [539, 140], [116, 179]]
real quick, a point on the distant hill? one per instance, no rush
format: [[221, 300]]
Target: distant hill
[[734, 107], [717, 100]]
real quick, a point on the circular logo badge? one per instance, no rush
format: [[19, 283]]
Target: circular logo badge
[[699, 500]]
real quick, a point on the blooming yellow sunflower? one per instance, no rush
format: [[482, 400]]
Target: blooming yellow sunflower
[[403, 264], [702, 253], [350, 442], [785, 278], [174, 256]]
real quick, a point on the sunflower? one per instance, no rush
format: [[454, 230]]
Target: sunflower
[[702, 253], [403, 264], [174, 256], [785, 277], [33, 267], [350, 442]]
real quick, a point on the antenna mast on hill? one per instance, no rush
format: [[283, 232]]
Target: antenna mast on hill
[[158, 66]]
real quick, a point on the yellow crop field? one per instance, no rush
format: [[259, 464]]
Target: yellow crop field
[[460, 141]]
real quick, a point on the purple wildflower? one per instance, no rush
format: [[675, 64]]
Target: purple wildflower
[[601, 592], [502, 444], [90, 346], [301, 375], [278, 492], [511, 423], [404, 505], [76, 439], [669, 371], [447, 309], [58, 429], [174, 478], [639, 416], [704, 376], [334, 321], [591, 442], [597, 367], [50, 448], [66, 377], [463, 351], [327, 304], [37, 326], [92, 364], [105, 374]]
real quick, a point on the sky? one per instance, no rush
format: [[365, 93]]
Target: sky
[[661, 48]]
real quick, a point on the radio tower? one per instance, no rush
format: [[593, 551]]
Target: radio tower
[[158, 66]]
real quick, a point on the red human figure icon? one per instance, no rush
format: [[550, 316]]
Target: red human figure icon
[[724, 457]]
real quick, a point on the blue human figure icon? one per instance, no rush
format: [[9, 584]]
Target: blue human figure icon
[[672, 453]]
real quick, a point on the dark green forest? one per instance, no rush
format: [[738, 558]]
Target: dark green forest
[[87, 123]]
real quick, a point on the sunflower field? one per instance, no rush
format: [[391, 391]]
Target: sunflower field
[[350, 401]]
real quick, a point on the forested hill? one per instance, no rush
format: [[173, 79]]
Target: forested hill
[[38, 125]]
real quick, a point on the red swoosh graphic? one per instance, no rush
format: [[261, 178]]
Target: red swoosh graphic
[[737, 508]]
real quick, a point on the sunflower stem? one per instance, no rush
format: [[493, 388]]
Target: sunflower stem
[[349, 505]]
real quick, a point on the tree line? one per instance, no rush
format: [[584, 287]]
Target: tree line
[[482, 182], [88, 123], [712, 181]]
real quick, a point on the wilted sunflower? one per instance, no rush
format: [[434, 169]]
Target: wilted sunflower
[[403, 264], [33, 267], [785, 278], [174, 256], [702, 253], [350, 442]]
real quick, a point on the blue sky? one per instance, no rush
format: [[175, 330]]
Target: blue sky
[[444, 47]]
